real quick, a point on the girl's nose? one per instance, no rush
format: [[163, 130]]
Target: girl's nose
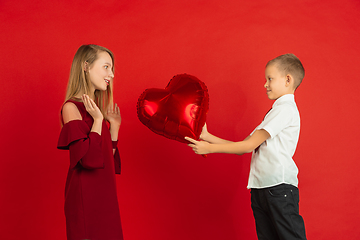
[[111, 74]]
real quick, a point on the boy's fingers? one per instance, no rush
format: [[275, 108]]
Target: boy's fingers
[[190, 140]]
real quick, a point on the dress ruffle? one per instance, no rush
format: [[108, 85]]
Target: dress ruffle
[[72, 131], [84, 146]]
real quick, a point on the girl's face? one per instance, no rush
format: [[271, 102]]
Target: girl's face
[[100, 72]]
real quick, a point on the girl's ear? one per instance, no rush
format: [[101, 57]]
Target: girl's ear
[[86, 66]]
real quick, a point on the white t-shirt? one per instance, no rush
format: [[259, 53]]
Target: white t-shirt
[[272, 163]]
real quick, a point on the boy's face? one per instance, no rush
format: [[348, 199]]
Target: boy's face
[[277, 83]]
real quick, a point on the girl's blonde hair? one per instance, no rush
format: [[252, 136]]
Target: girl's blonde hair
[[79, 82]]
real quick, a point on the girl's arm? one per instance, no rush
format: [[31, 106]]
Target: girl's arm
[[114, 117], [84, 147], [248, 145]]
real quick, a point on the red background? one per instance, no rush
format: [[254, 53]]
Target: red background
[[165, 191]]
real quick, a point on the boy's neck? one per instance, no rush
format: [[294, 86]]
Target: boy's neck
[[285, 95]]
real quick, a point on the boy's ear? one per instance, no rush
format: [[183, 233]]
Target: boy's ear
[[289, 80]]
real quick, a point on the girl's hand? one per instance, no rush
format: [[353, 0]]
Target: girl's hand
[[199, 147], [113, 115], [92, 108]]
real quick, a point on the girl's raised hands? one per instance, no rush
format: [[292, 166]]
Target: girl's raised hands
[[113, 115], [92, 108]]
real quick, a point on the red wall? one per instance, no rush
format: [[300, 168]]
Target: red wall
[[166, 191]]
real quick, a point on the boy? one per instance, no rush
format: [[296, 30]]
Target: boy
[[273, 173]]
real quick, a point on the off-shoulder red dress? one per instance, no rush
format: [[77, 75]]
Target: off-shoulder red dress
[[91, 204]]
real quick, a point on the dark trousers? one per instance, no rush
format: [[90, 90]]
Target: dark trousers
[[276, 213]]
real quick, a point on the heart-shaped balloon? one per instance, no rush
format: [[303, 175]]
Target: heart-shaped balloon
[[178, 111]]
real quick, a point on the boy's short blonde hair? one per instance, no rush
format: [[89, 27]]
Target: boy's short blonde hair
[[290, 64]]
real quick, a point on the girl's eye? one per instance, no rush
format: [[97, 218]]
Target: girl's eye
[[106, 67]]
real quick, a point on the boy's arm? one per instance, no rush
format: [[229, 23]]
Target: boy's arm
[[248, 145]]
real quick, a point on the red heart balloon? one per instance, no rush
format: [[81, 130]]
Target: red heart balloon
[[178, 111]]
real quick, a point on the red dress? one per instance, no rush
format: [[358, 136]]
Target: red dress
[[91, 204]]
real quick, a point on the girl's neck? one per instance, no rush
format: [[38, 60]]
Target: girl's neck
[[91, 95]]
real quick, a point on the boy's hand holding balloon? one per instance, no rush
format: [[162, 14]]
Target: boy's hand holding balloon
[[199, 147]]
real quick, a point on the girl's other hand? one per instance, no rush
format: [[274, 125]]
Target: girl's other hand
[[92, 108], [113, 115]]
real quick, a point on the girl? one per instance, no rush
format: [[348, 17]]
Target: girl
[[91, 204]]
